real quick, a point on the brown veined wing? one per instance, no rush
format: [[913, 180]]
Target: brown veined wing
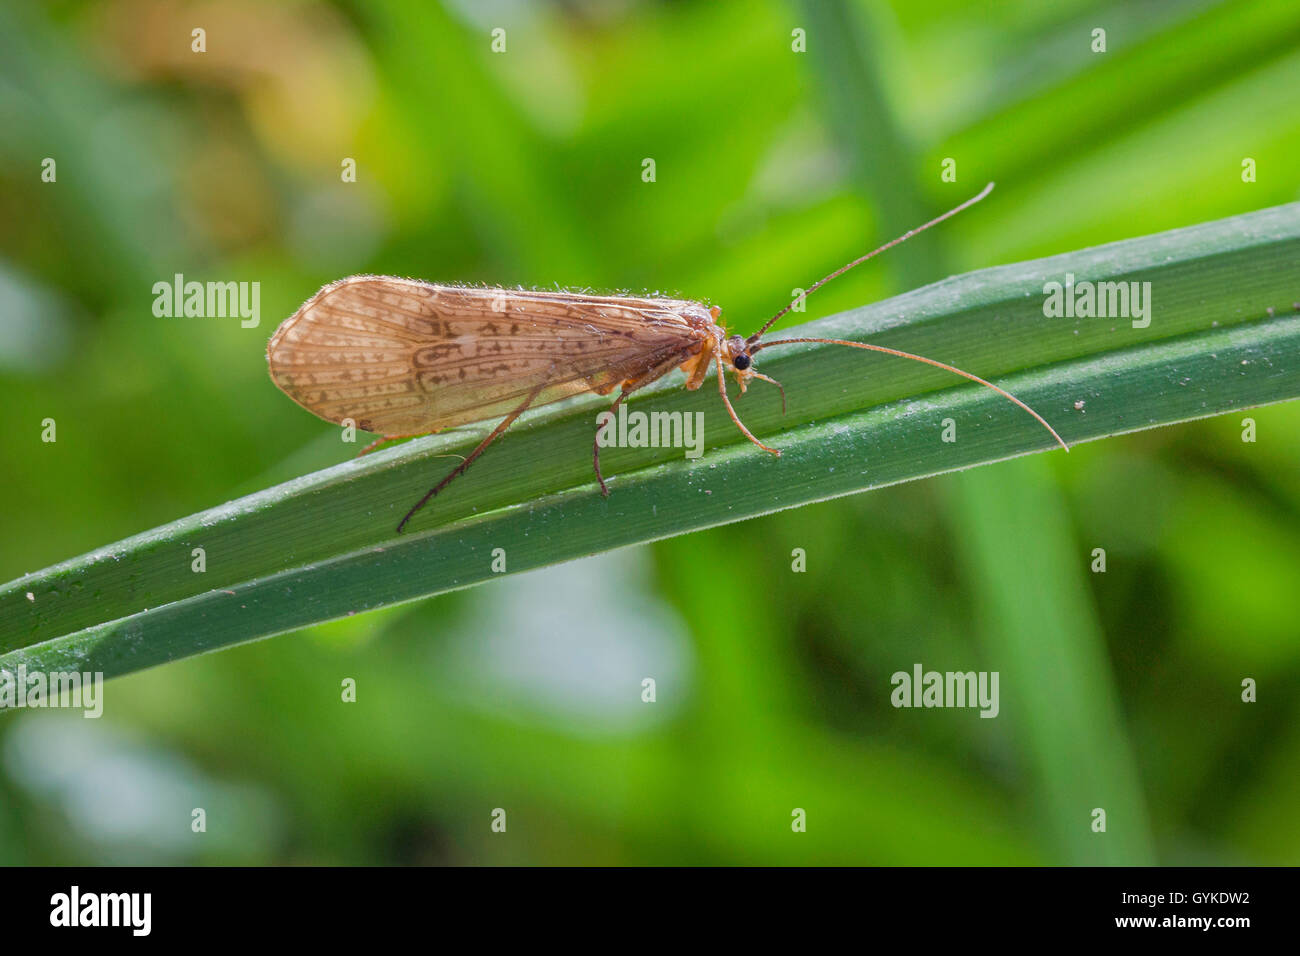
[[404, 357]]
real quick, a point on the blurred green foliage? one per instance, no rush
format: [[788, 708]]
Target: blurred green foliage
[[1121, 690]]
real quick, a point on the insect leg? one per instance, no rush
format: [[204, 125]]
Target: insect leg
[[760, 375], [482, 446], [595, 445], [375, 444], [722, 390], [387, 438], [652, 374]]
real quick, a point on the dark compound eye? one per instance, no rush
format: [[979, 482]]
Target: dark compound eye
[[742, 361]]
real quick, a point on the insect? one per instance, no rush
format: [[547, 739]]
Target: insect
[[401, 358]]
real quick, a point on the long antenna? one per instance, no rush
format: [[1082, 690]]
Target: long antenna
[[917, 358], [875, 252]]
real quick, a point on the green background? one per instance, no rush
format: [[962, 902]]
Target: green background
[[1119, 690]]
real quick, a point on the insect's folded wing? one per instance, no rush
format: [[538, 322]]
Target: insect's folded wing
[[401, 357], [347, 354]]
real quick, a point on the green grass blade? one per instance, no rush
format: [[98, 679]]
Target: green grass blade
[[1038, 626], [1223, 336], [1039, 630]]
